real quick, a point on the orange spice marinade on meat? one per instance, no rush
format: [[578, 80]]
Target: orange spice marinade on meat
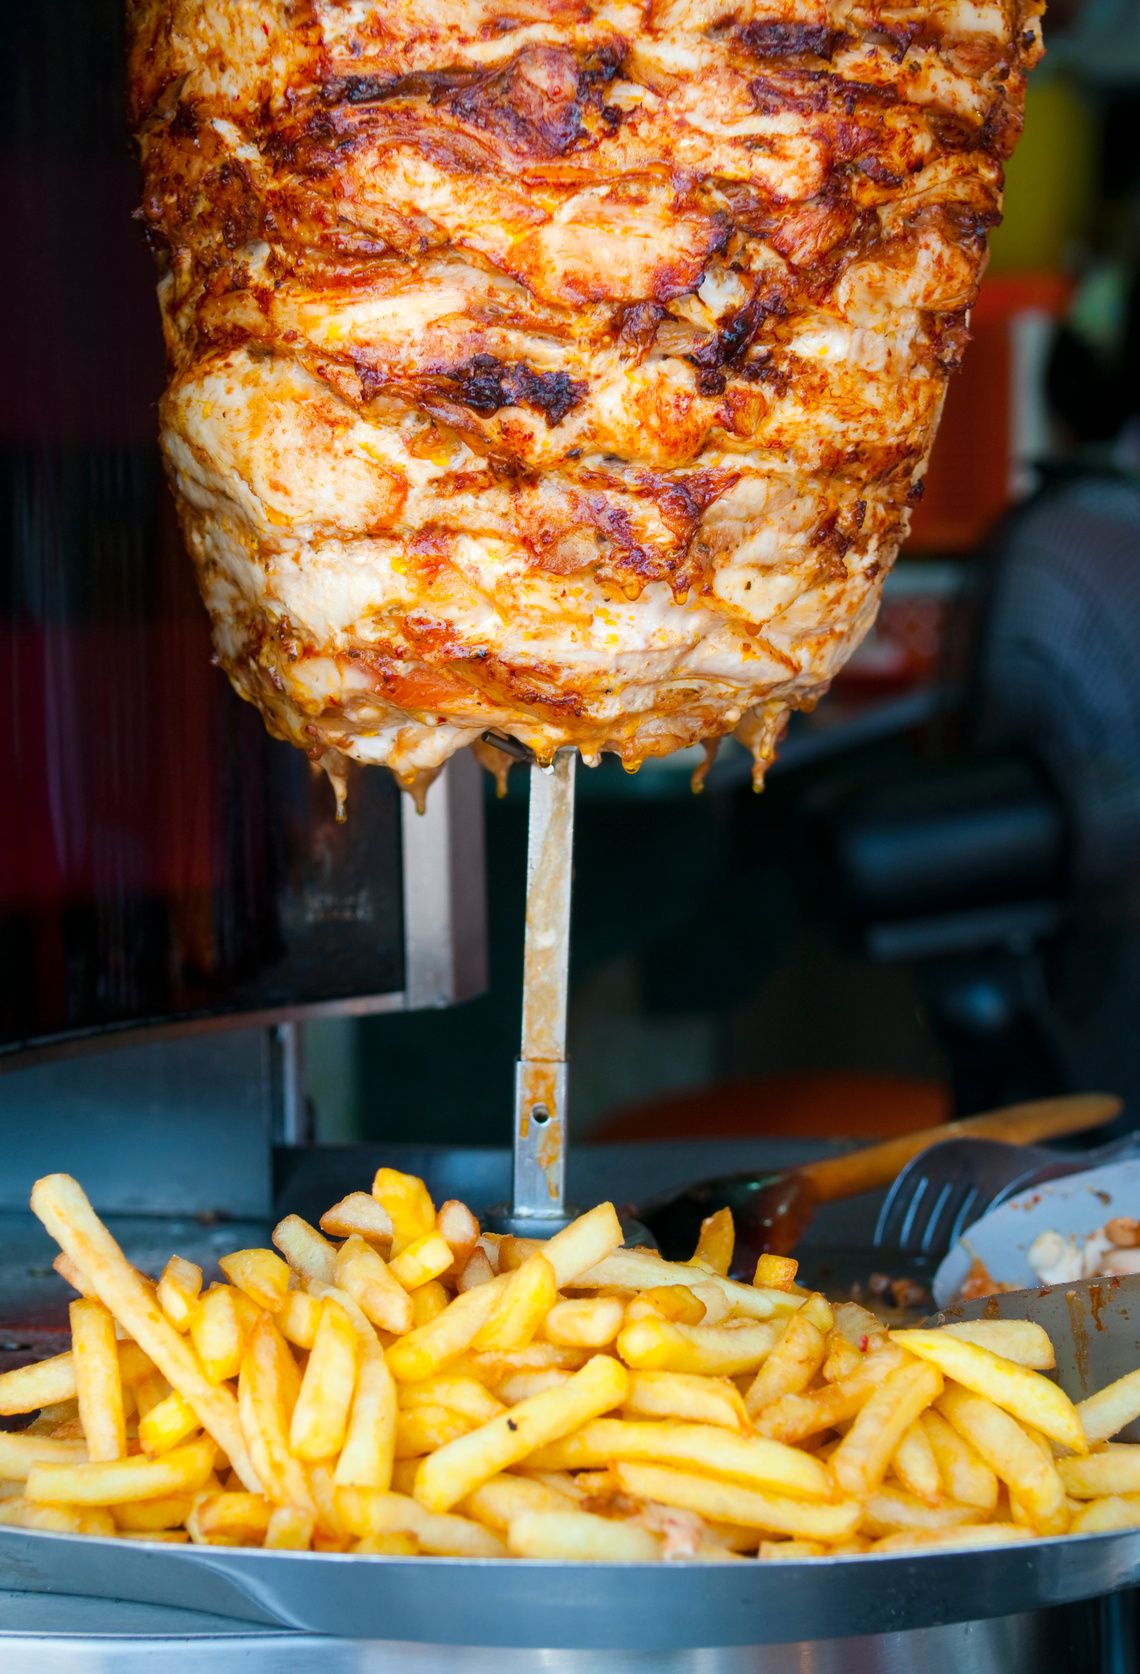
[[566, 369]]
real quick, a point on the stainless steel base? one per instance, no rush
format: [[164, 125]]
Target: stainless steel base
[[65, 1635]]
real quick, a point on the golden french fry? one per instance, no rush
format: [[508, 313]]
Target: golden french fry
[[578, 1536], [98, 1384], [583, 1244], [966, 1477], [463, 1465], [19, 1452], [1107, 1412], [730, 1502], [166, 1424], [1012, 1455], [793, 1417], [110, 1482], [455, 1222], [464, 1394], [701, 1400], [134, 1364], [791, 1365], [408, 1204], [716, 1242], [229, 1519], [298, 1317], [1116, 1471], [860, 1326], [528, 1296], [267, 1393], [641, 1270], [391, 1545], [431, 1347], [218, 1331], [149, 1393], [24, 1514], [260, 1274], [1025, 1394], [369, 1448], [425, 1429], [428, 1301], [367, 1278], [842, 1358], [42, 1384], [679, 1303], [423, 1260], [753, 1459], [775, 1272], [790, 1551], [1018, 1340], [358, 1212], [477, 1271], [520, 1386], [976, 1534], [289, 1530], [369, 1513], [307, 1253], [888, 1509], [178, 1291], [860, 1461], [166, 1512], [1114, 1511], [320, 1418], [588, 1322], [512, 1252], [657, 1345], [330, 1525], [492, 1369], [69, 1271], [503, 1497], [916, 1466]]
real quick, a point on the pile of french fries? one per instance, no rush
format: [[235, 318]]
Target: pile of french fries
[[396, 1383]]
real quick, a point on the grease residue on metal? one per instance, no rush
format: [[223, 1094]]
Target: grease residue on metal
[[1076, 1305]]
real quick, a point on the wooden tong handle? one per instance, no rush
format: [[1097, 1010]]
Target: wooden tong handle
[[1017, 1124]]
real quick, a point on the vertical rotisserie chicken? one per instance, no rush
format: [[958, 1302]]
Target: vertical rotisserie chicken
[[564, 368]]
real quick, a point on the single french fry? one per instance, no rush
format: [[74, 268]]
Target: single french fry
[[861, 1459], [455, 1222], [514, 1251], [267, 1393], [298, 1317], [178, 1291], [261, 1274], [477, 1271], [583, 1244], [1018, 1340], [423, 1260], [367, 1278], [966, 1477], [134, 1365], [331, 1533], [464, 1394], [657, 1345], [289, 1530], [408, 1204], [217, 1332], [150, 1392], [1010, 1453], [110, 1482], [494, 1369], [730, 1502], [793, 1417], [167, 1511], [42, 1384], [503, 1497], [464, 1465], [19, 1452], [61, 1205], [678, 1303], [358, 1212], [776, 1272], [588, 1322], [1025, 1394], [752, 1459], [971, 1534], [1107, 1412], [520, 1386], [860, 1326], [24, 1514], [1116, 1471], [369, 1448], [700, 1400], [166, 1424], [229, 1519], [889, 1508], [641, 1270], [916, 1467], [790, 1367], [369, 1513], [579, 1536], [428, 1301], [308, 1254], [528, 1296], [1113, 1511], [790, 1551], [425, 1429], [319, 1423], [70, 1272], [430, 1347], [98, 1384], [394, 1544], [842, 1359], [716, 1242]]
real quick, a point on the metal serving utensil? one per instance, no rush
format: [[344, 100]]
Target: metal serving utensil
[[948, 1187]]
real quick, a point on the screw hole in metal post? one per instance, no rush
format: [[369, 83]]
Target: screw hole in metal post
[[540, 1115]]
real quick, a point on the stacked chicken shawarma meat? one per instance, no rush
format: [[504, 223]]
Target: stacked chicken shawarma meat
[[560, 368]]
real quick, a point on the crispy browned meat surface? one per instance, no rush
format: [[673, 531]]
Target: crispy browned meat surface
[[567, 367]]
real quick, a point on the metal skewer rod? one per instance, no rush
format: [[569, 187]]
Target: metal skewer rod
[[540, 1129]]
